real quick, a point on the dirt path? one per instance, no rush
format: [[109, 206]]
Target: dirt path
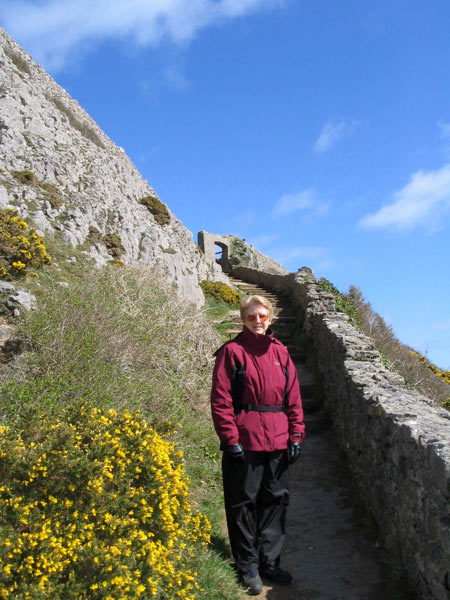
[[329, 550]]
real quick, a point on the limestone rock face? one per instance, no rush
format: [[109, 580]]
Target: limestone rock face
[[61, 171]]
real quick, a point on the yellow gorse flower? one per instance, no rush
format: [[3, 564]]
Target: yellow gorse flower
[[99, 503], [21, 248]]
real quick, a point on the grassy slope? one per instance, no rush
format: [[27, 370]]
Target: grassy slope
[[118, 338]]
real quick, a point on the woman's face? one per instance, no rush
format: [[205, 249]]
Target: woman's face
[[257, 318]]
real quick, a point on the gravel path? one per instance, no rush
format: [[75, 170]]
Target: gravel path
[[329, 549]]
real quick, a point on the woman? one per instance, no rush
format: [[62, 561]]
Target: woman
[[257, 412]]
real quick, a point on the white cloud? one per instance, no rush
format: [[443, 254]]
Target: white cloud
[[53, 30], [421, 202], [333, 132], [305, 201]]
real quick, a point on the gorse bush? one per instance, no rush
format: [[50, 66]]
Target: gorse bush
[[95, 505], [220, 291], [116, 262], [443, 375], [21, 248], [115, 341]]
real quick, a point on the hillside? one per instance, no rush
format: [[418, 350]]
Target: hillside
[[60, 170]]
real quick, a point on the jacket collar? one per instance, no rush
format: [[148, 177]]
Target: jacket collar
[[257, 341]]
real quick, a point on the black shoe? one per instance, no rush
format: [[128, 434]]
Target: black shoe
[[251, 581], [276, 575]]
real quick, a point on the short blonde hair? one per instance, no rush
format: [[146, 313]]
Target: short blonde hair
[[247, 300]]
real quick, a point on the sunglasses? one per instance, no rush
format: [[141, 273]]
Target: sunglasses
[[262, 317]]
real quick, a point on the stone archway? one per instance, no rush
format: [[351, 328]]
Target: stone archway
[[207, 243]]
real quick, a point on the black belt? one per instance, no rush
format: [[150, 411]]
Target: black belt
[[262, 408]]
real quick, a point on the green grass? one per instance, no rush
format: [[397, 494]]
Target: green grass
[[219, 313], [83, 127], [343, 302], [216, 310], [120, 338]]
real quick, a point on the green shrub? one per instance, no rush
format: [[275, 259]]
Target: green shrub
[[112, 241], [168, 250], [52, 195], [220, 291], [240, 250], [113, 244], [343, 302], [94, 235], [157, 208], [25, 177], [95, 505], [20, 247]]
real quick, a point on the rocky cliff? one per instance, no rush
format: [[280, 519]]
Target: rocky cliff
[[61, 171]]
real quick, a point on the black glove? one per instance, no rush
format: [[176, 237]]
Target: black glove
[[293, 451], [235, 452]]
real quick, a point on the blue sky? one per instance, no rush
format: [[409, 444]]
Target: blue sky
[[317, 130]]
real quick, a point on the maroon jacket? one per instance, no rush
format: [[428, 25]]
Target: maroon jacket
[[263, 358]]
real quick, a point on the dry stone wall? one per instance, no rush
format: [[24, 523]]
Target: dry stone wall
[[236, 251], [396, 442], [81, 180]]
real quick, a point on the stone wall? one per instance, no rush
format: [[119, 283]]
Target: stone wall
[[396, 442], [236, 251]]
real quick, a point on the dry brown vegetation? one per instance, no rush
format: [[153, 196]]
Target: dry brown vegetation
[[399, 357]]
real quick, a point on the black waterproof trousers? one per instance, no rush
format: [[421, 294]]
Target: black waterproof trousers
[[256, 500]]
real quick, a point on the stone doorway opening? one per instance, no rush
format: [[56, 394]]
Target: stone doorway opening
[[221, 254]]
